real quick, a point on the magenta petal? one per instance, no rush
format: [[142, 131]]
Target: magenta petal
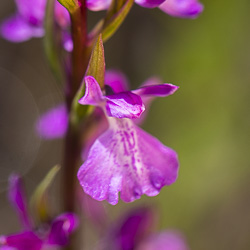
[[124, 105], [127, 159], [97, 5], [156, 90], [32, 11], [149, 3], [54, 123], [16, 29], [116, 80], [169, 240], [18, 200], [61, 229], [133, 228], [23, 241], [93, 93], [182, 8]]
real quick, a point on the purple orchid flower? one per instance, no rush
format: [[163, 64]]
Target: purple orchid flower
[[97, 5], [177, 8], [53, 123], [28, 21], [53, 235], [135, 231], [182, 8], [125, 158]]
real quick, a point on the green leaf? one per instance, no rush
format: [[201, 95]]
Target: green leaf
[[39, 201], [114, 7], [52, 49], [115, 16], [70, 5], [113, 23], [96, 68]]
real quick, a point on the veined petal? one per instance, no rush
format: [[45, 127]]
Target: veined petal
[[149, 3], [128, 160], [169, 240], [93, 93], [124, 105], [97, 5], [182, 8], [16, 29], [161, 90], [54, 123], [116, 80], [18, 200], [23, 241], [61, 229]]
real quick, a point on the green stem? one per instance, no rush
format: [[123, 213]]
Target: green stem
[[79, 60], [72, 153], [73, 143]]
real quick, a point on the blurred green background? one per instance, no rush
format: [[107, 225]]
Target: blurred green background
[[207, 121]]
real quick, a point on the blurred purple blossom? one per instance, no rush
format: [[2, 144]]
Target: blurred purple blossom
[[182, 8], [150, 3], [28, 21], [125, 158], [97, 5], [136, 231], [47, 235], [177, 8], [53, 123], [165, 240]]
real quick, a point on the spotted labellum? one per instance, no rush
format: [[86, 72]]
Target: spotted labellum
[[125, 158]]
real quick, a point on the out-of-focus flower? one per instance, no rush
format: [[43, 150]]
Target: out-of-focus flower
[[182, 8], [48, 235], [28, 20], [97, 5], [125, 158], [135, 231], [53, 123], [165, 240], [150, 3], [177, 8]]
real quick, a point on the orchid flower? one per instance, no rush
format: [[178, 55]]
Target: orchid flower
[[134, 230], [177, 8], [28, 20], [182, 8], [125, 158], [53, 235], [97, 5], [53, 123]]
